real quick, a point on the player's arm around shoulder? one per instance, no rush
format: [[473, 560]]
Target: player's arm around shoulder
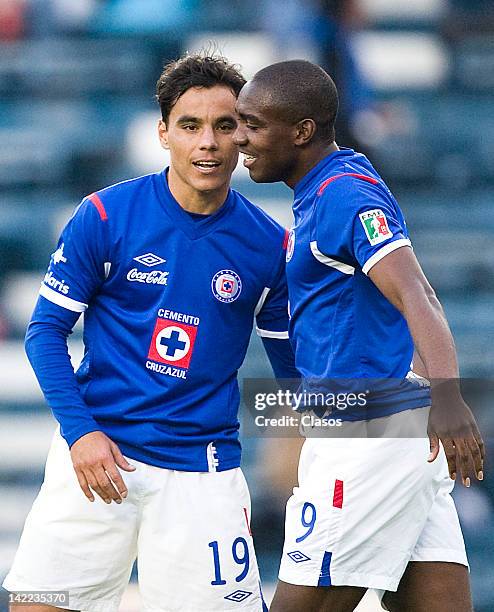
[[401, 280]]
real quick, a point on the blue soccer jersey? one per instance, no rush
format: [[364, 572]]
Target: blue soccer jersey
[[169, 301], [346, 220]]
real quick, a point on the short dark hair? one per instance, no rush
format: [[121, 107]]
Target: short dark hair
[[197, 70], [298, 89]]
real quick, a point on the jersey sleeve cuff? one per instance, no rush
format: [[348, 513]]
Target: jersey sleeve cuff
[[266, 333], [61, 300], [71, 435], [385, 250]]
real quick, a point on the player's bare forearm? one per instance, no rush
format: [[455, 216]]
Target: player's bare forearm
[[96, 460], [401, 280], [451, 420], [431, 334]]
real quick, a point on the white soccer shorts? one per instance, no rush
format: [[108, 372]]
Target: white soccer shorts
[[364, 508], [189, 530]]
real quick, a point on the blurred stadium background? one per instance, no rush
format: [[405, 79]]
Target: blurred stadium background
[[77, 113]]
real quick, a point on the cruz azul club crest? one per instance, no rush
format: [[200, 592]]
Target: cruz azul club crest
[[226, 286], [375, 226]]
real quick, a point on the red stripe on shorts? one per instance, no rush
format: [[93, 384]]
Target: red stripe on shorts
[[369, 179], [338, 494], [95, 199], [247, 521]]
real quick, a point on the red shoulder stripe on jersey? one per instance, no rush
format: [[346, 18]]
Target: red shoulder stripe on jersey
[[338, 494], [95, 199], [369, 179], [285, 239]]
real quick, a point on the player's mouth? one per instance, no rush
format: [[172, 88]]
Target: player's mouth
[[207, 166], [249, 159]]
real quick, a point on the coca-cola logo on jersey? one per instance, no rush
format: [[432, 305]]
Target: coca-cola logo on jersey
[[155, 277]]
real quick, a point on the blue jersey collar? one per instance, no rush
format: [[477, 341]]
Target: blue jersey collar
[[319, 167], [193, 228]]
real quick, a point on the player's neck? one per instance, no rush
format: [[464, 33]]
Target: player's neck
[[308, 160], [195, 201]]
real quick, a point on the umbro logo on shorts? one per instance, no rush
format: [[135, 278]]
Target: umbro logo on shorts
[[297, 556], [238, 595]]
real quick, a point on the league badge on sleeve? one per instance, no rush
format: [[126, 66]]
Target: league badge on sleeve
[[226, 286], [375, 226]]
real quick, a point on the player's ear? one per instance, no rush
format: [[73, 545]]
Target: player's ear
[[163, 134], [304, 131]]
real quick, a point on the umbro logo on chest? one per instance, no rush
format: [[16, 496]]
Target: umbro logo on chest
[[152, 277]]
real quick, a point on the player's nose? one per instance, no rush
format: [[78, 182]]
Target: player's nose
[[208, 139], [240, 136]]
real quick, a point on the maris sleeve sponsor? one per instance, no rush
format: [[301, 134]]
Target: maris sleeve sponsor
[[56, 284]]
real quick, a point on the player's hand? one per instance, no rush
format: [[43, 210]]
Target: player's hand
[[451, 421], [95, 459]]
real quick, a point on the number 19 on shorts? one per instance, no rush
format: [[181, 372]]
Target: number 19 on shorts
[[239, 552]]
